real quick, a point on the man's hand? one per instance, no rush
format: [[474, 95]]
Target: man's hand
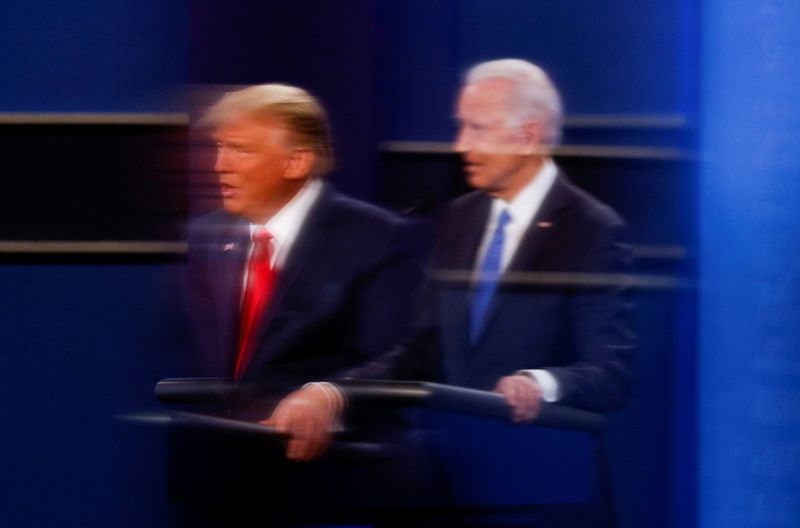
[[522, 394], [308, 417]]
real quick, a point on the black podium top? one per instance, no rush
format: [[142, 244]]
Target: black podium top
[[395, 393]]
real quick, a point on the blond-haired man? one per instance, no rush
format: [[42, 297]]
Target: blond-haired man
[[290, 281]]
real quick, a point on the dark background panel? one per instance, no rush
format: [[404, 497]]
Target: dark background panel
[[422, 182], [93, 182]]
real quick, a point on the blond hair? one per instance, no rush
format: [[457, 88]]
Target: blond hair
[[300, 111]]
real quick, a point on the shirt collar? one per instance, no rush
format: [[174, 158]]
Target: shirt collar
[[285, 224], [526, 203]]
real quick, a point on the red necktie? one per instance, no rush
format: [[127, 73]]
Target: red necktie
[[260, 279]]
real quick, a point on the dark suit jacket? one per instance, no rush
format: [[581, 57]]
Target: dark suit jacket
[[344, 294], [569, 316]]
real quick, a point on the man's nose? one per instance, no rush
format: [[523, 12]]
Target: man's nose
[[221, 161], [462, 142]]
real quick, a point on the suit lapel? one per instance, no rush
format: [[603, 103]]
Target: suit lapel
[[232, 250], [311, 237], [460, 255], [543, 226], [462, 252]]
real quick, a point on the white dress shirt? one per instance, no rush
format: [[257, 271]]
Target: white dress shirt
[[285, 225], [522, 208]]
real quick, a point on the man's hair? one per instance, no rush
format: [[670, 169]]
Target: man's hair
[[300, 111], [533, 93]]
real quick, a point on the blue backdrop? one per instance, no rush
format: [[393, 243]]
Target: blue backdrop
[[84, 342], [749, 366]]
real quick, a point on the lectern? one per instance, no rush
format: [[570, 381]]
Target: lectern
[[447, 454]]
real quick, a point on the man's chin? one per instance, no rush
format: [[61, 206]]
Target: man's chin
[[232, 206], [475, 181]]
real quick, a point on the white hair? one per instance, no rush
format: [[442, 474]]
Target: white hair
[[534, 95]]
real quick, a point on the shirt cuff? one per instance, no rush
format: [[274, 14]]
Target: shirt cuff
[[547, 383], [336, 399]]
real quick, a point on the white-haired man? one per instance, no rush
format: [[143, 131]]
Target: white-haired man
[[504, 318]]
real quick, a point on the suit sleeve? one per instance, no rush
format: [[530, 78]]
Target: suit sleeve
[[199, 305], [387, 294], [413, 358], [414, 353], [599, 377]]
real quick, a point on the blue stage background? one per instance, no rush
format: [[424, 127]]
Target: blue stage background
[[711, 438]]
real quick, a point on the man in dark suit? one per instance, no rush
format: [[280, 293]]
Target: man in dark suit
[[291, 281], [525, 296]]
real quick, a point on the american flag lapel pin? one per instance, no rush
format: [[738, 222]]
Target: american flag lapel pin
[[228, 247], [544, 225]]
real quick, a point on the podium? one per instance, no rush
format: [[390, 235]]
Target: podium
[[461, 461]]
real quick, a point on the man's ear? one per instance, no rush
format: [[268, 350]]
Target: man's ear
[[533, 132], [300, 163]]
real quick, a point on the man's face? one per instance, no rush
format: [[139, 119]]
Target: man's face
[[494, 153], [252, 162]]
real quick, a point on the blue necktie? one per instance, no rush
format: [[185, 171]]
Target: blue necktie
[[489, 272]]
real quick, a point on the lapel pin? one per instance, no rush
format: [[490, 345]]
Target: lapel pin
[[228, 247], [544, 225]]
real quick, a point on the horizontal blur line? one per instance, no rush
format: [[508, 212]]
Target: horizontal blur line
[[665, 251], [421, 147], [179, 248], [571, 151], [147, 419], [602, 151], [626, 121], [93, 247], [166, 118], [94, 118], [556, 278]]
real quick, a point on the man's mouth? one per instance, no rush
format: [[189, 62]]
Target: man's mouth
[[471, 166], [227, 191]]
